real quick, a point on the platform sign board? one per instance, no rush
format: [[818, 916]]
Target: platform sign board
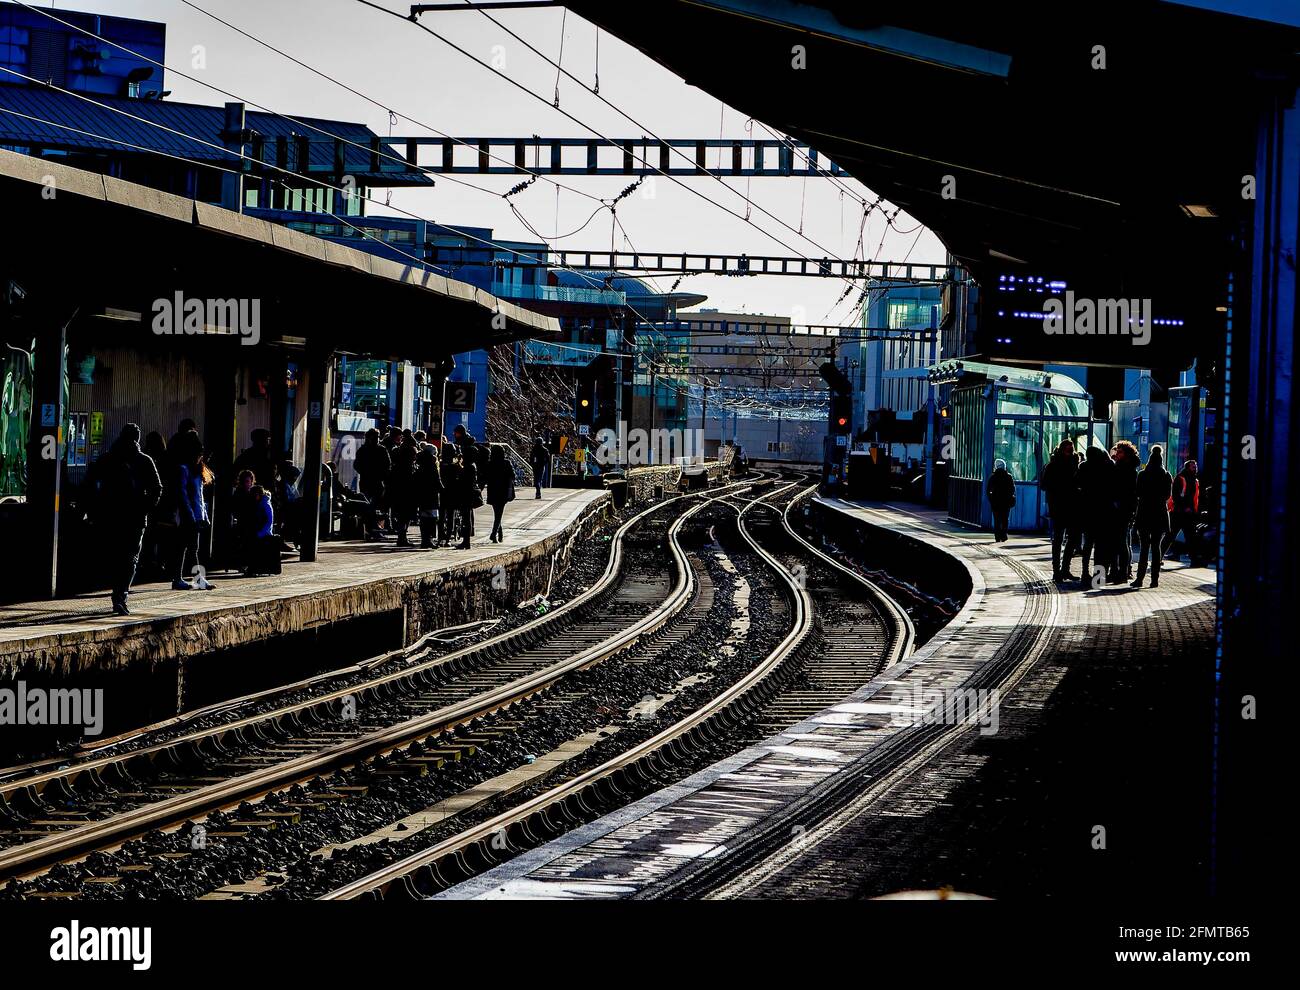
[[458, 397]]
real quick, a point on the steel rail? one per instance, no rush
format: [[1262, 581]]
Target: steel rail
[[430, 867], [32, 856]]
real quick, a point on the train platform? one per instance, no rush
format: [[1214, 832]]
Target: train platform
[[399, 593], [1081, 779]]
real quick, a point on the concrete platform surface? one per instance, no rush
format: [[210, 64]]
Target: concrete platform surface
[[1102, 694], [355, 573]]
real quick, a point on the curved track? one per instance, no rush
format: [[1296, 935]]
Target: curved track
[[801, 670], [56, 815]]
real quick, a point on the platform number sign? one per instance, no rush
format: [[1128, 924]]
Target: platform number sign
[[458, 397]]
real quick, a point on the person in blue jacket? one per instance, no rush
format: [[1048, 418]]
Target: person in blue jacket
[[192, 520], [265, 555]]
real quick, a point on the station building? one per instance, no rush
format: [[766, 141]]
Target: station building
[[200, 308]]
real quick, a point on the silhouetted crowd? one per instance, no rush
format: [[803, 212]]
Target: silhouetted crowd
[[405, 480], [148, 498], [1099, 502]]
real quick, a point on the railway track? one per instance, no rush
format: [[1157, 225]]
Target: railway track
[[804, 670], [819, 816], [422, 716]]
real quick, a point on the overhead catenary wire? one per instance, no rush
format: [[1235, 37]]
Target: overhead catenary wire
[[610, 141], [322, 184], [619, 110], [347, 192], [302, 123]]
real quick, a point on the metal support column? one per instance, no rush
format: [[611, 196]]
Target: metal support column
[[45, 452], [318, 365], [1257, 527]]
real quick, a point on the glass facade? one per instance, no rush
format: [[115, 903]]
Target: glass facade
[[364, 389], [1027, 424]]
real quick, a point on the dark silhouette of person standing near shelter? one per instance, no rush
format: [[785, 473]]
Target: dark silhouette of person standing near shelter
[[1002, 498], [1154, 488], [127, 487]]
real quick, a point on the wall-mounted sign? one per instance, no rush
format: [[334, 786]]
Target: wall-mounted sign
[[458, 397], [96, 428]]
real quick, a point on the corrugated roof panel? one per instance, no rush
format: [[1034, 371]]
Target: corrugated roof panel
[[191, 129]]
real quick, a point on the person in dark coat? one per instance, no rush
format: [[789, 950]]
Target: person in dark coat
[[428, 493], [1096, 488], [185, 445], [401, 487], [1058, 484], [243, 527], [1187, 505], [500, 488], [1154, 487], [468, 499], [259, 458], [373, 465], [538, 459], [428, 490], [127, 487], [465, 441], [449, 470], [158, 534], [1002, 497], [1124, 485]]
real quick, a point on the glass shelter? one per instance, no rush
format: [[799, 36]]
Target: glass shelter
[[1017, 415]]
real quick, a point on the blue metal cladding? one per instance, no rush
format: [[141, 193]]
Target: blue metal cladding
[[38, 45], [47, 118]]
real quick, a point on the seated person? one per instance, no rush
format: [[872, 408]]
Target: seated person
[[242, 511], [264, 550]]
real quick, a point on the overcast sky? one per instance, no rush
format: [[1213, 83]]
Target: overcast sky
[[417, 75]]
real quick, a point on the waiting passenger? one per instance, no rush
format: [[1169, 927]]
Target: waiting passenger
[[373, 465], [1124, 500], [264, 556], [126, 485], [428, 494], [192, 522], [1096, 511], [242, 512], [449, 472], [1186, 506], [1002, 498], [500, 488], [156, 555], [468, 498], [1154, 488], [1058, 484], [538, 460], [260, 459], [402, 499]]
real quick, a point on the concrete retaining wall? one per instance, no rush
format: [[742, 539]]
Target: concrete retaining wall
[[150, 670]]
